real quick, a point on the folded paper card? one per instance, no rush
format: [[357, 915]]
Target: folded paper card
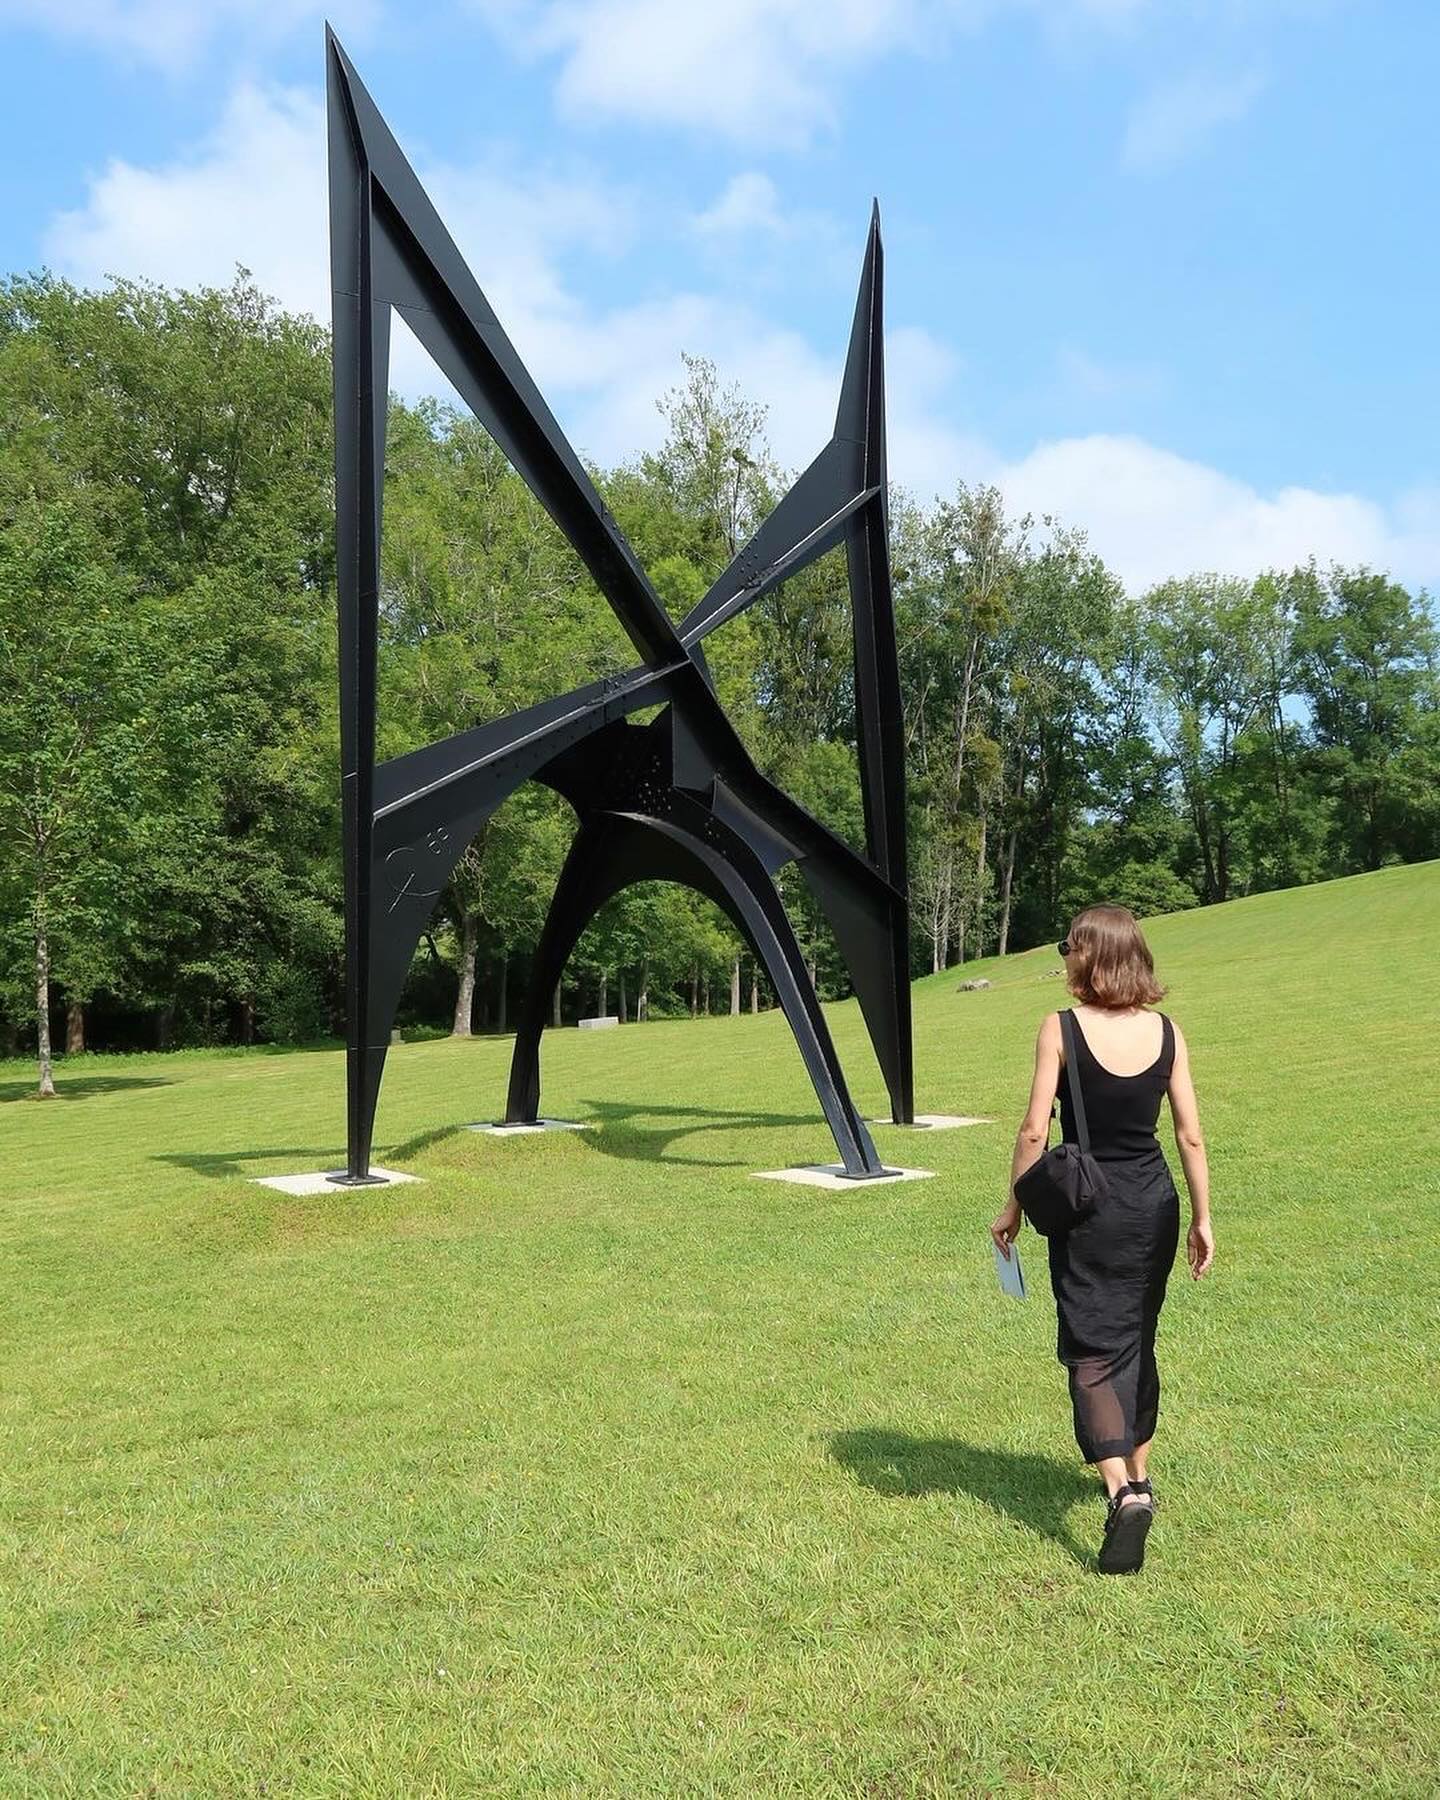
[[1012, 1277]]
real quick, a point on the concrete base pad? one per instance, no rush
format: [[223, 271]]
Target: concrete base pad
[[324, 1182], [832, 1175], [934, 1122], [500, 1129]]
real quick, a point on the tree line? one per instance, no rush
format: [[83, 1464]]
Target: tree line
[[169, 856]]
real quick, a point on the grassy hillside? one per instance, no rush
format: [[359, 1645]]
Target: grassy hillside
[[595, 1465]]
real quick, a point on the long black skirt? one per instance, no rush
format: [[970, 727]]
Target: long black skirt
[[1108, 1276]]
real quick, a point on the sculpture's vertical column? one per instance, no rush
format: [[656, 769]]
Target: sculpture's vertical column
[[880, 722], [361, 334]]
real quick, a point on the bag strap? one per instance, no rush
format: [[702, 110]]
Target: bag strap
[[1077, 1099]]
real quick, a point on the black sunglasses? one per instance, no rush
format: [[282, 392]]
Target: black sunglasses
[[1063, 946]]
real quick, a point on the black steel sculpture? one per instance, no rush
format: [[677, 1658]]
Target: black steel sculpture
[[678, 799]]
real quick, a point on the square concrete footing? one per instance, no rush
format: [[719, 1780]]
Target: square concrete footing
[[525, 1127], [832, 1175], [933, 1122], [322, 1181]]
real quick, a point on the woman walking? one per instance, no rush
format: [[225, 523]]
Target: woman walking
[[1109, 1271]]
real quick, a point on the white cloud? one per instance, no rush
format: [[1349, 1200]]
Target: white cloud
[[757, 71], [252, 193], [748, 207], [255, 193], [171, 33], [1173, 120], [1153, 514]]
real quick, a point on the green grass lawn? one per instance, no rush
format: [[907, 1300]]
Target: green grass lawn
[[594, 1465]]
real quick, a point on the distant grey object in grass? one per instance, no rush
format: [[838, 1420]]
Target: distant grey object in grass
[[678, 799], [600, 1024], [972, 987]]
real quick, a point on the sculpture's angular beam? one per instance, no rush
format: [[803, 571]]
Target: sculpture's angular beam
[[416, 267], [807, 522]]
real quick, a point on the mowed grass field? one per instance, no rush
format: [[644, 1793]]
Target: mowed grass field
[[594, 1465]]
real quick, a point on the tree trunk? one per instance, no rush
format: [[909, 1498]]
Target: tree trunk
[[642, 999], [705, 994], [694, 992], [46, 1090], [1007, 882], [942, 936], [624, 1008], [813, 972], [555, 1009], [75, 1029], [604, 993], [165, 1025], [465, 998], [980, 881], [502, 984], [754, 988], [735, 988]]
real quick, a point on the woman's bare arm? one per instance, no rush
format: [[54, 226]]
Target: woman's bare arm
[[1185, 1115], [1034, 1128]]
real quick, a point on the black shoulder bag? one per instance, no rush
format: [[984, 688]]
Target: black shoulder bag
[[1067, 1183]]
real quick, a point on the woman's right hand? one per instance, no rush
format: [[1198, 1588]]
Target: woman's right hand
[[1200, 1247], [1006, 1228]]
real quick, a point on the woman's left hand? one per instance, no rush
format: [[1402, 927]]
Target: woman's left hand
[[1006, 1228]]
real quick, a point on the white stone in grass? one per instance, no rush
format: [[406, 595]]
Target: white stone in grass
[[524, 1127], [323, 1181], [832, 1175], [598, 1024]]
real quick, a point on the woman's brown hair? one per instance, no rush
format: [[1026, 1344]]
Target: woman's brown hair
[[1111, 964]]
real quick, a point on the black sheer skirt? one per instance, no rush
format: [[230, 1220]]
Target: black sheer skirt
[[1109, 1276]]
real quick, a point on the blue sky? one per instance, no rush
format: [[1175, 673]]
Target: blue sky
[[1165, 268]]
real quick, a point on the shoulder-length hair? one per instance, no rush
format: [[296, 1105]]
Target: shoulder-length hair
[[1111, 965]]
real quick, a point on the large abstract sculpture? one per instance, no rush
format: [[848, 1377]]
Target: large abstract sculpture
[[678, 799]]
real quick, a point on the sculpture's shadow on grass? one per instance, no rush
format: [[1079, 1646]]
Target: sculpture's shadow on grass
[[229, 1165], [82, 1087], [1036, 1491], [621, 1134]]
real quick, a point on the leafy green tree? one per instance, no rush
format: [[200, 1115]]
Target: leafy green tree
[[1365, 654], [90, 729]]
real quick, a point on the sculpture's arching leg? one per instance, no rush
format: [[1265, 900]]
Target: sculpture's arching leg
[[691, 847], [582, 889]]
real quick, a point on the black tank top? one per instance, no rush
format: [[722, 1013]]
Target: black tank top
[[1121, 1110]]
